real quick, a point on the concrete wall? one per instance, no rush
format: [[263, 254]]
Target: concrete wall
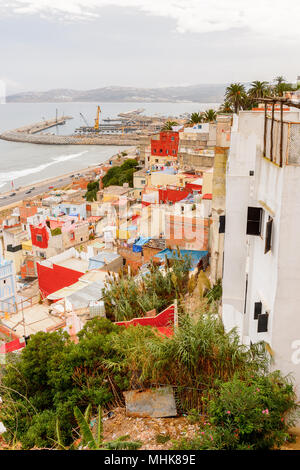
[[273, 278]]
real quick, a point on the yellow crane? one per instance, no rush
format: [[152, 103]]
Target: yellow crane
[[97, 120]]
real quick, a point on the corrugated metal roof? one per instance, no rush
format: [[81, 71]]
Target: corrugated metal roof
[[82, 297]]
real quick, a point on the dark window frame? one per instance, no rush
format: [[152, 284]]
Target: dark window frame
[[268, 237], [263, 320], [254, 220], [257, 309]]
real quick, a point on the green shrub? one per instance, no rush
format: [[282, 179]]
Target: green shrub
[[56, 231], [162, 438], [41, 431], [118, 175], [250, 413]]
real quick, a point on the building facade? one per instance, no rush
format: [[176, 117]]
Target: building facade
[[261, 279]]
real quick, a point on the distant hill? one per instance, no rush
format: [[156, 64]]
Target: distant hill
[[196, 93]]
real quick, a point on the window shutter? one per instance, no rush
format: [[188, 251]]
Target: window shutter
[[222, 224], [262, 325], [254, 217], [257, 309], [268, 240]]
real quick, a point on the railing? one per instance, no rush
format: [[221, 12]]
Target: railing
[[282, 142]]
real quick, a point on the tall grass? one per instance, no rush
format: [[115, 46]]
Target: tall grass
[[199, 355]]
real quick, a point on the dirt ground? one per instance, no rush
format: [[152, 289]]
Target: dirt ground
[[147, 430], [293, 445]]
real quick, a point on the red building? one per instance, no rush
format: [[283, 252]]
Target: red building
[[173, 194], [52, 279], [166, 144], [39, 235]]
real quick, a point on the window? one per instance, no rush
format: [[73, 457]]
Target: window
[[268, 239], [222, 224], [173, 138], [160, 150], [254, 218], [262, 325], [39, 238], [174, 152], [154, 150], [257, 309], [72, 236], [143, 181]]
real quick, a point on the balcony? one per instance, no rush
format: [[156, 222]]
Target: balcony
[[281, 137], [282, 142]]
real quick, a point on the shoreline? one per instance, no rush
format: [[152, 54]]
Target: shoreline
[[56, 179]]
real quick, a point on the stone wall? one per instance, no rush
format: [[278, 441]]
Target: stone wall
[[50, 139]]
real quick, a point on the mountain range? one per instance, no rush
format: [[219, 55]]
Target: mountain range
[[210, 93]]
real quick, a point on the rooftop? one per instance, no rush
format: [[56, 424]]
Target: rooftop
[[36, 319], [116, 190], [76, 264]]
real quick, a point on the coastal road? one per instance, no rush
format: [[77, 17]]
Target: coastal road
[[39, 188]]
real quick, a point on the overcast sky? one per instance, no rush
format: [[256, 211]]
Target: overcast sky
[[85, 44]]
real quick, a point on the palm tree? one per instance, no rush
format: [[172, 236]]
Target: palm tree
[[235, 95], [225, 108], [210, 115], [168, 125], [258, 89], [196, 118], [280, 79]]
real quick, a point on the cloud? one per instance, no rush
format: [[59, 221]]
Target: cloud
[[271, 18]]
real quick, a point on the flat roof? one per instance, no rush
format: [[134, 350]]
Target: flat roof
[[76, 264], [116, 189], [36, 318]]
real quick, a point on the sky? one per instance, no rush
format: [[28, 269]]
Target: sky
[[86, 44]]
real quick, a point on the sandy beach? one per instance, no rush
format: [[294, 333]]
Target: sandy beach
[[42, 186]]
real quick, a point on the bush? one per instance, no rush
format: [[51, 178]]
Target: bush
[[118, 175], [41, 431], [125, 298], [92, 189], [253, 413]]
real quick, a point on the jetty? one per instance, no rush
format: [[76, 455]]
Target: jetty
[[43, 125]]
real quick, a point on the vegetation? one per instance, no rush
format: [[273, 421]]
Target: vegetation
[[92, 189], [87, 439], [209, 116], [126, 298], [196, 118], [210, 370], [168, 125], [236, 96], [118, 175], [54, 385], [259, 89], [56, 231], [255, 412]]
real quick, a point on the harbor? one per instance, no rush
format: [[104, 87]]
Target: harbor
[[126, 129]]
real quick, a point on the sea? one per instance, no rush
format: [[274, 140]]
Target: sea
[[22, 164]]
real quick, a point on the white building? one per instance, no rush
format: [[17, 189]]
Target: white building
[[261, 277]]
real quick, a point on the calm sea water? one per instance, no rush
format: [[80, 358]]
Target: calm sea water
[[24, 164]]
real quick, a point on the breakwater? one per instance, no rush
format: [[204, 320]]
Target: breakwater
[[50, 139], [31, 134]]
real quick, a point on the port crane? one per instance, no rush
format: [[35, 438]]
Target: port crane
[[85, 121], [97, 120]]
